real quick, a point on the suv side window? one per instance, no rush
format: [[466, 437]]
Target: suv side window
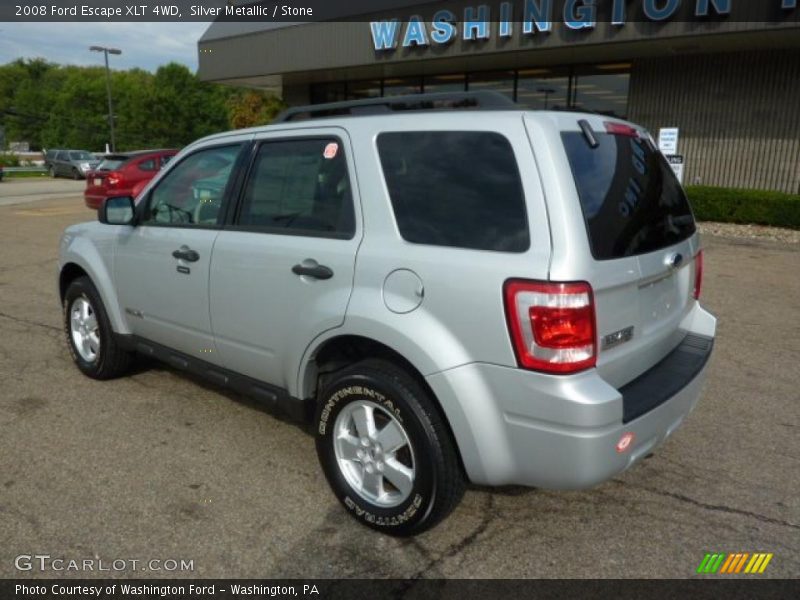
[[455, 188], [61, 155], [297, 186], [192, 192]]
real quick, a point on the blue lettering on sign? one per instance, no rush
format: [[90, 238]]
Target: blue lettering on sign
[[722, 7], [580, 17], [504, 28], [537, 16], [442, 29], [652, 12], [476, 27], [416, 35], [384, 34]]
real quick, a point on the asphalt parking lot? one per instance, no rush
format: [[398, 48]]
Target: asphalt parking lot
[[159, 466]]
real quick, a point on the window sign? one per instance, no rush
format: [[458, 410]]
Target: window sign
[[676, 162], [668, 140]]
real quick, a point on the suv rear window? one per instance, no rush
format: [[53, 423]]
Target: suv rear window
[[455, 188], [631, 199]]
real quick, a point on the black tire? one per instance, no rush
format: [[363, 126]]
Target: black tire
[[52, 171], [75, 174], [438, 482], [110, 360]]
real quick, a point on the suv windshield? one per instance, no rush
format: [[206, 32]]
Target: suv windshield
[[631, 200], [80, 155]]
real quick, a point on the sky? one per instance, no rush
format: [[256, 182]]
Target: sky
[[143, 45]]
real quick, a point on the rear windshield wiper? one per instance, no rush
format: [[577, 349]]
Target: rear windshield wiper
[[588, 133]]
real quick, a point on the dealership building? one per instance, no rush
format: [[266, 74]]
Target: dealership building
[[725, 73]]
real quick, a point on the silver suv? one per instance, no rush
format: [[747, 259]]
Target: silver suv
[[445, 288]]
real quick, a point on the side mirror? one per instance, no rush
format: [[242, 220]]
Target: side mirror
[[116, 211]]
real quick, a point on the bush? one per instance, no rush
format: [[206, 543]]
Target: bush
[[730, 205], [8, 160]]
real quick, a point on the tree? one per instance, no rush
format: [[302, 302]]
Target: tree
[[251, 107], [65, 106]]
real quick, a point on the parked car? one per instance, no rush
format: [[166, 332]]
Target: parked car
[[123, 174], [510, 299], [69, 163]]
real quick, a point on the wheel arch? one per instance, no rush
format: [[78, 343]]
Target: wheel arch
[[340, 350], [75, 267]]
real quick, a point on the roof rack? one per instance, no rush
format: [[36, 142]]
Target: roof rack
[[483, 100]]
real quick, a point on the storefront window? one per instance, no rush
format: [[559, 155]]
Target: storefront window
[[327, 92], [445, 83], [400, 87], [497, 81], [602, 89], [542, 89], [599, 88], [357, 90]]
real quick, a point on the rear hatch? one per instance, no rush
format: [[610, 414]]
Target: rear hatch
[[632, 229]]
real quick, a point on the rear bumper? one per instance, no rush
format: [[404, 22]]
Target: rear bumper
[[518, 427]]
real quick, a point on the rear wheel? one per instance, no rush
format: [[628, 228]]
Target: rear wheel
[[52, 171], [385, 449], [89, 335]]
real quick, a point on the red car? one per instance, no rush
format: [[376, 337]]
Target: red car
[[123, 174]]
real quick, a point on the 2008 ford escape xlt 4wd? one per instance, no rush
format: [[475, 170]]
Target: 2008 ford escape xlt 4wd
[[447, 288]]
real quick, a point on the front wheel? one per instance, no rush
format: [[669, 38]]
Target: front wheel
[[89, 335], [75, 175], [385, 449]]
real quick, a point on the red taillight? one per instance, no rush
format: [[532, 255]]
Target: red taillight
[[621, 129], [114, 179], [698, 274], [552, 325]]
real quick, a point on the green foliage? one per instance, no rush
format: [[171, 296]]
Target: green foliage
[[731, 205], [9, 160], [251, 108], [53, 106]]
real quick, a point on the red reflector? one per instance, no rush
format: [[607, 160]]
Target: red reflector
[[625, 442], [621, 129], [552, 325], [698, 274]]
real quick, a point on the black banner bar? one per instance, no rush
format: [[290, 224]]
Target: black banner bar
[[745, 588], [577, 12]]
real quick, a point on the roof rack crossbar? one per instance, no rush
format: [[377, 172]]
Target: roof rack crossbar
[[482, 100]]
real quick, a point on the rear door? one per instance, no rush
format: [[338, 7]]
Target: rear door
[[282, 272], [60, 162], [641, 242]]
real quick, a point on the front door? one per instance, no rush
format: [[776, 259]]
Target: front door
[[161, 265], [282, 273]]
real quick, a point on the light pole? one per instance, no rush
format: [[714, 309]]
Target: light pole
[[106, 52]]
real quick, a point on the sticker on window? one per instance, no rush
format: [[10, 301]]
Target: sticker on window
[[330, 150]]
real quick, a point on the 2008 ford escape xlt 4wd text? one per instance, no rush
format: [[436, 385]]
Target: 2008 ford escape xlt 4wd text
[[445, 287]]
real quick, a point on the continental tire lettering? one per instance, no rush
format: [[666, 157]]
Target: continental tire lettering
[[354, 390], [385, 521]]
